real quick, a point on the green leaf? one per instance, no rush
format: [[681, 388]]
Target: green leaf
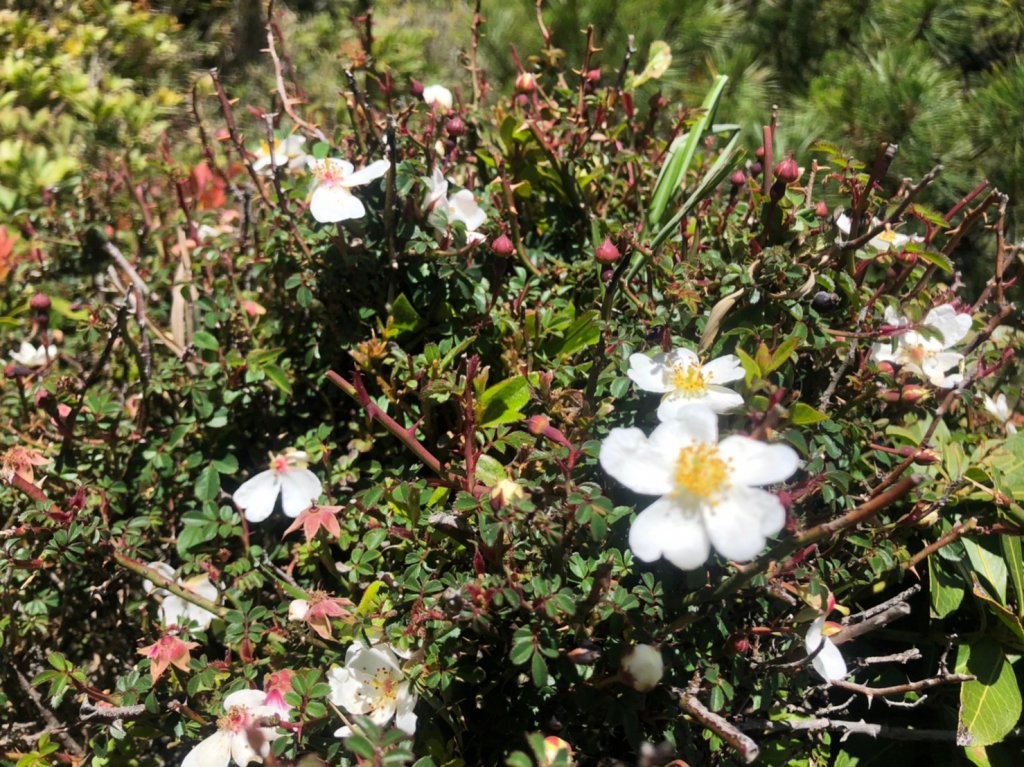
[[804, 415], [988, 565], [672, 177], [208, 484], [945, 589], [539, 670], [63, 307], [489, 470], [404, 318], [659, 59], [750, 366], [990, 705], [205, 340], [781, 355], [584, 332], [1012, 556], [278, 377], [366, 602], [503, 402], [518, 759]]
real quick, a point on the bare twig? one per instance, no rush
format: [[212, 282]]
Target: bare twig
[[746, 748], [52, 723], [900, 689]]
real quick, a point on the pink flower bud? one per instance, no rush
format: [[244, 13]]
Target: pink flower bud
[[415, 88], [526, 83], [787, 171], [739, 178], [455, 127], [502, 246], [40, 302], [606, 252], [821, 211]]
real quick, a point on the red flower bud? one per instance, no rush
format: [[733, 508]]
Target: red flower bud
[[415, 88], [821, 211], [739, 178], [502, 246], [526, 83], [787, 171], [455, 127], [40, 302], [606, 252], [756, 168], [759, 153]]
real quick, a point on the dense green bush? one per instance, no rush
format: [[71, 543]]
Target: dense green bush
[[444, 318]]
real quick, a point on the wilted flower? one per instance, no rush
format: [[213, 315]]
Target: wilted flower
[[829, 661], [553, 748], [30, 356], [287, 151], [175, 611], [681, 377], [709, 489], [438, 96], [21, 461], [240, 735], [927, 356], [889, 239], [1000, 408], [314, 518], [372, 684], [288, 477], [461, 206], [167, 651], [331, 200], [507, 491], [318, 611], [643, 667]]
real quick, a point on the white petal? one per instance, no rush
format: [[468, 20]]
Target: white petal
[[331, 203], [173, 610], [723, 370], [679, 358], [438, 95], [720, 399], [843, 223], [627, 456], [242, 750], [758, 463], [437, 189], [300, 489], [738, 524], [367, 174], [894, 319], [215, 751], [689, 423], [829, 661], [250, 699], [165, 570], [405, 717], [343, 732], [953, 326], [663, 529], [258, 494], [649, 374], [462, 206], [344, 690], [884, 352], [934, 367], [298, 609]]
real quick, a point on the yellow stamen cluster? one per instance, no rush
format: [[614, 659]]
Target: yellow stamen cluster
[[701, 471], [689, 380], [889, 235]]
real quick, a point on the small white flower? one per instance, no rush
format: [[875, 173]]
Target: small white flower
[[372, 684], [298, 609], [889, 239], [239, 736], [927, 356], [643, 667], [175, 611], [331, 200], [29, 356], [288, 477], [1000, 408], [438, 96], [461, 206], [287, 151], [708, 489], [681, 377], [829, 661]]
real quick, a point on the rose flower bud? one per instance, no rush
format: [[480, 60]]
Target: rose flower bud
[[642, 667], [606, 252]]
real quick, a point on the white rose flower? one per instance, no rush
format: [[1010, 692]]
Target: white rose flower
[[709, 494], [829, 661], [461, 206], [29, 356], [288, 477], [889, 239], [683, 380], [927, 356], [1000, 408], [239, 736], [331, 200], [438, 96], [287, 151], [372, 684], [175, 611], [643, 667]]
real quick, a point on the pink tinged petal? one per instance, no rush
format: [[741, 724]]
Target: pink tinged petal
[[627, 457], [829, 661], [258, 494], [664, 529], [331, 203], [723, 370], [649, 374], [300, 489], [215, 751], [738, 523], [365, 175], [953, 326], [758, 463], [463, 207], [689, 423]]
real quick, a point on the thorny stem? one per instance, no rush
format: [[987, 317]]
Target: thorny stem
[[282, 90], [856, 242], [513, 219], [236, 138], [158, 579], [959, 529]]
